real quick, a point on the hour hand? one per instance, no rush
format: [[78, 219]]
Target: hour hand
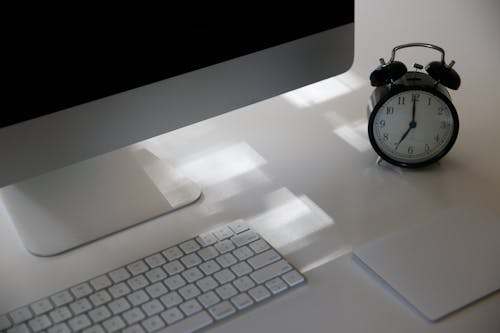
[[404, 136]]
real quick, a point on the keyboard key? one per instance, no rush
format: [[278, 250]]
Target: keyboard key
[[20, 315], [82, 290], [19, 329], [156, 274], [207, 283], [191, 260], [114, 324], [101, 282], [175, 282], [244, 283], [119, 275], [193, 274], [80, 306], [40, 323], [241, 268], [224, 246], [155, 260], [137, 267], [264, 259], [60, 314], [62, 298], [153, 307], [173, 253], [172, 315], [138, 298], [222, 310], [245, 238], [243, 253], [93, 329], [209, 299], [171, 299], [206, 239], [293, 278], [210, 267], [60, 328], [189, 246], [238, 226], [136, 329], [79, 323], [119, 290], [242, 301], [208, 253], [271, 271], [276, 285], [174, 267], [189, 291], [259, 246], [118, 306], [191, 324], [226, 291], [224, 276], [156, 290], [226, 260], [41, 306], [223, 233], [134, 315], [190, 307], [138, 282], [99, 314], [100, 298], [259, 293], [152, 324]]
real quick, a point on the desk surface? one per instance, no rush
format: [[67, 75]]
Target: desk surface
[[300, 168]]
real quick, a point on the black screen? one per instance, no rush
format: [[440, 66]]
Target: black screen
[[52, 64]]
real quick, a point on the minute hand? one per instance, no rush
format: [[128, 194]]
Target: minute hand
[[412, 124]]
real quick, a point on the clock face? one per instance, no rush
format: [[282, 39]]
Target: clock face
[[413, 127]]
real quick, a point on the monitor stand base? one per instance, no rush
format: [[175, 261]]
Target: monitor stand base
[[72, 206]]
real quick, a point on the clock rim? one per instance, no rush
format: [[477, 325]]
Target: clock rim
[[397, 89]]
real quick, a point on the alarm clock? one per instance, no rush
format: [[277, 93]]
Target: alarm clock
[[412, 121]]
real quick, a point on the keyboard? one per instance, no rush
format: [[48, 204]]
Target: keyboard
[[185, 288]]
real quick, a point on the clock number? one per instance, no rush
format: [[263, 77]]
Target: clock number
[[444, 124], [415, 97], [381, 123], [427, 148], [440, 111], [390, 110], [401, 100], [437, 138], [385, 136], [410, 150], [429, 101]]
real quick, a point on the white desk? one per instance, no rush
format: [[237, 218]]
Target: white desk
[[300, 169]]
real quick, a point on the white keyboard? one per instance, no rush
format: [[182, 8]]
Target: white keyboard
[[182, 289]]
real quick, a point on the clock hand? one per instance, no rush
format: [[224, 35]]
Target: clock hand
[[403, 137], [412, 124], [413, 112]]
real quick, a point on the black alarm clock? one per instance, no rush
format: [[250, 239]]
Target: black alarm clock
[[412, 121]]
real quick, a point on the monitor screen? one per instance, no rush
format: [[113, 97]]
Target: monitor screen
[[48, 68]]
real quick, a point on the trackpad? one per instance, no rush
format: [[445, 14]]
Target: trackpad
[[443, 264]]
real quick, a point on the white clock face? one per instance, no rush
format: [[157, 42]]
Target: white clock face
[[413, 126]]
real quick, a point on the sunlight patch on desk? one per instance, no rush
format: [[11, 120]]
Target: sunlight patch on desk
[[288, 220], [216, 166], [224, 172], [351, 134], [323, 91]]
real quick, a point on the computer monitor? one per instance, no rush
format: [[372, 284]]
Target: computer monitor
[[72, 105]]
